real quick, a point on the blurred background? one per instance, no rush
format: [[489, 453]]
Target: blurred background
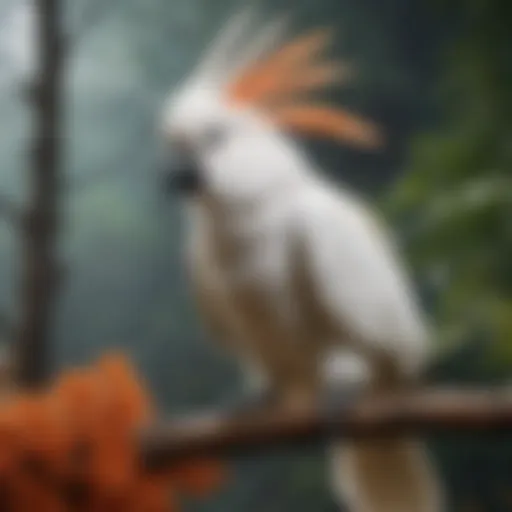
[[436, 75]]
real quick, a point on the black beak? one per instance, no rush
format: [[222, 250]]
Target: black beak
[[182, 176]]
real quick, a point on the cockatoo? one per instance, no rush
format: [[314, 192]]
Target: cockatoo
[[287, 268]]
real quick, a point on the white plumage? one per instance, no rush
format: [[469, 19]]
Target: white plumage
[[287, 268]]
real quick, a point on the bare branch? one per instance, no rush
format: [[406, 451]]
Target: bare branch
[[41, 220], [428, 411]]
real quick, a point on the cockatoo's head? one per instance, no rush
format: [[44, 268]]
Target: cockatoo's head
[[229, 125]]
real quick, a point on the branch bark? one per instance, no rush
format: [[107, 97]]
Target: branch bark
[[419, 412], [40, 267]]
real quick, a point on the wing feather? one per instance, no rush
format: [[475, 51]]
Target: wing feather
[[359, 283]]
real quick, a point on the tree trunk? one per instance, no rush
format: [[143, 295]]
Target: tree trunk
[[39, 263]]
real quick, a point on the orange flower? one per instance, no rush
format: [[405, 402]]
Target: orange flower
[[79, 436]]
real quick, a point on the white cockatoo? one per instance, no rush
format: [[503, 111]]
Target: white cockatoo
[[288, 269]]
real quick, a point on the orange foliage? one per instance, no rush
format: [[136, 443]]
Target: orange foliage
[[72, 448]]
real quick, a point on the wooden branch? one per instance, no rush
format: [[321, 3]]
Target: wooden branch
[[40, 222], [419, 412]]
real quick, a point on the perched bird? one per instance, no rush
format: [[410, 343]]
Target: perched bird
[[287, 268]]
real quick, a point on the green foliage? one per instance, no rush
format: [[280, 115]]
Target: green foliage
[[455, 200]]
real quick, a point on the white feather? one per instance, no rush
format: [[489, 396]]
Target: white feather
[[266, 39], [359, 278], [261, 196], [217, 61]]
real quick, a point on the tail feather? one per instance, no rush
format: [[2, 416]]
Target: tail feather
[[385, 476]]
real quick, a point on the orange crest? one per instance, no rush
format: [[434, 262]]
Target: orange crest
[[276, 85]]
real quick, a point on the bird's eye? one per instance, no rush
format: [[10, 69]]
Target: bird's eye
[[213, 136]]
